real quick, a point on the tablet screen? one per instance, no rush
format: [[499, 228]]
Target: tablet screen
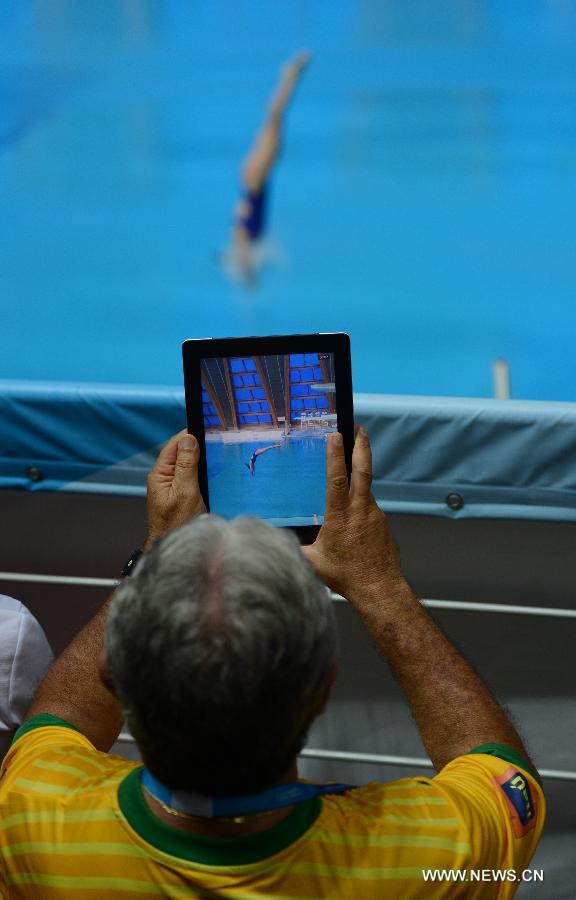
[[266, 422]]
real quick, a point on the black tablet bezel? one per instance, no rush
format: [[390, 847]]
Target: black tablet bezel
[[337, 343]]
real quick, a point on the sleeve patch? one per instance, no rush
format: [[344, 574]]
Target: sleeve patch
[[520, 799]]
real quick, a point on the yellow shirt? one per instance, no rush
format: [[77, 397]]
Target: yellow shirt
[[74, 825]]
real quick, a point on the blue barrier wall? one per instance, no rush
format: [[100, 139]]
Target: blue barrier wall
[[452, 457]]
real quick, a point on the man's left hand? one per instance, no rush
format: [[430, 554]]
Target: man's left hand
[[173, 493]]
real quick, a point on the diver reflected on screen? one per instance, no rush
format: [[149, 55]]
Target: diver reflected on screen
[[247, 252], [251, 464]]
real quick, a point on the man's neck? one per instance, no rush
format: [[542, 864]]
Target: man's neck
[[219, 826]]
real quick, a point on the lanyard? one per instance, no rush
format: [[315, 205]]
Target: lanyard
[[194, 804]]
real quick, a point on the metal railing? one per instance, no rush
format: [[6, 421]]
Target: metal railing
[[464, 605], [382, 759], [413, 762]]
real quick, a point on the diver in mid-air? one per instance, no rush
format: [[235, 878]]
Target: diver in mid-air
[[251, 464], [245, 256]]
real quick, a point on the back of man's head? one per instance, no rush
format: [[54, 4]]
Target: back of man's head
[[220, 647]]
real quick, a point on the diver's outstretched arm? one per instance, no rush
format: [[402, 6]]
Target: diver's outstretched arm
[[257, 165]]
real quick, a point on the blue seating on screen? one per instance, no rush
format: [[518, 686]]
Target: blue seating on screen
[[211, 419], [253, 386], [249, 395], [307, 373]]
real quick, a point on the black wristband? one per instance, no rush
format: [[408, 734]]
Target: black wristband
[[131, 563]]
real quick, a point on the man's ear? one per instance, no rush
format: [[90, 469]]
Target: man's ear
[[330, 679], [104, 673]]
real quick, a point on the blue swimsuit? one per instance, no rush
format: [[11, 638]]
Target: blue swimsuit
[[253, 222]]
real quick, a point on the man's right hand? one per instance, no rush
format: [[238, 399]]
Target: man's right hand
[[354, 553], [173, 494]]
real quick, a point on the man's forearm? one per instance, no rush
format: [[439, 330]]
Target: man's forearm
[[74, 691], [453, 708]]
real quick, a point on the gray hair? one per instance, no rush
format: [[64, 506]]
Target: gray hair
[[219, 648]]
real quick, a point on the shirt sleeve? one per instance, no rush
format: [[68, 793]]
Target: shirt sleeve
[[35, 738], [25, 657], [502, 804]]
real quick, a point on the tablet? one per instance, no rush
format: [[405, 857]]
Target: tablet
[[262, 409]]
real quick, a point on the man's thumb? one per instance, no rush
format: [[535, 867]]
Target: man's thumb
[[187, 457]]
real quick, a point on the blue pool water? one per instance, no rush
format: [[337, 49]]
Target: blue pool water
[[424, 202], [288, 486]]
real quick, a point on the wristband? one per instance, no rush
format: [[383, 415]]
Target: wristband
[[131, 563]]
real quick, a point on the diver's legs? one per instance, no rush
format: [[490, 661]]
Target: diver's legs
[[257, 165]]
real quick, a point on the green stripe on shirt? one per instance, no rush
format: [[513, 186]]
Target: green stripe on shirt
[[42, 720], [97, 883], [74, 848], [508, 755], [432, 842], [62, 817]]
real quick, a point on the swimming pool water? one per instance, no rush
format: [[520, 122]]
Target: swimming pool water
[[289, 482], [424, 202]]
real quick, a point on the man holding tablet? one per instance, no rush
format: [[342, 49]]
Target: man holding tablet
[[221, 648]]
